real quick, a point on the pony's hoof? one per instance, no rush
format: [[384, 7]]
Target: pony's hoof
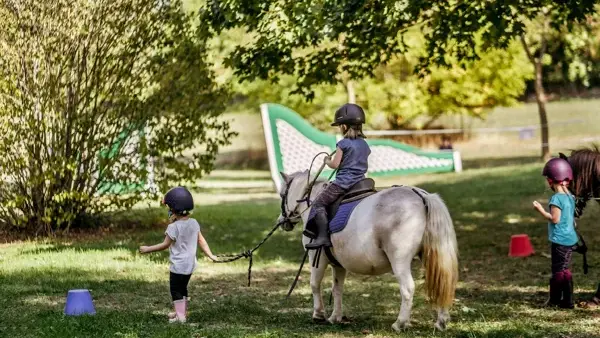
[[440, 326], [400, 326], [338, 319], [590, 304], [318, 320]]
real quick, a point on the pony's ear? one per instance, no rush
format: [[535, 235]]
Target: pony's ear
[[286, 178], [563, 156]]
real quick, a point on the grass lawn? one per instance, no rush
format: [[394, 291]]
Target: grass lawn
[[497, 296]]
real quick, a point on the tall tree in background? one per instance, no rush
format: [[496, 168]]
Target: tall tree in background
[[397, 98], [541, 27], [541, 33], [317, 41]]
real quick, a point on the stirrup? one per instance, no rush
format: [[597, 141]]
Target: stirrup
[[315, 245]]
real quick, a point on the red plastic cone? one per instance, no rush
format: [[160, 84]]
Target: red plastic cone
[[520, 246]]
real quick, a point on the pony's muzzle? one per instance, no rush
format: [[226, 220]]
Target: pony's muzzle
[[286, 224]]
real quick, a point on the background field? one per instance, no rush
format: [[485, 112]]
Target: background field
[[572, 123]]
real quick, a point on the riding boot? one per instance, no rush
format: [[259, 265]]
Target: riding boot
[[323, 232], [555, 293], [180, 311], [567, 291], [173, 314]]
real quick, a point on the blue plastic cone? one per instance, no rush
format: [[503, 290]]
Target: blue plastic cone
[[79, 302]]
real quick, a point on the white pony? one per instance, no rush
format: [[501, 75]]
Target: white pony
[[384, 233]]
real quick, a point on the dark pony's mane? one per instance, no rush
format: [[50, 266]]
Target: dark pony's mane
[[586, 171], [585, 163]]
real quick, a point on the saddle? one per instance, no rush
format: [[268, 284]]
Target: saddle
[[358, 191]]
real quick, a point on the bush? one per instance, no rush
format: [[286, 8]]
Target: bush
[[96, 95]]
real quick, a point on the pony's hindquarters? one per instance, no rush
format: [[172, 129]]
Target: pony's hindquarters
[[440, 253]]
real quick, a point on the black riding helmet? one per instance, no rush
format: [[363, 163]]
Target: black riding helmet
[[350, 114], [179, 200]]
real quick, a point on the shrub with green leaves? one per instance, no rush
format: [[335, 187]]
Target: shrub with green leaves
[[98, 99]]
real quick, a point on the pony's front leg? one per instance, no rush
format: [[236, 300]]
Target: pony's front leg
[[339, 275], [316, 276]]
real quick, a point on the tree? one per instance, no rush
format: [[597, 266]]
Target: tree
[[99, 93], [573, 54], [397, 98], [537, 60], [470, 88], [318, 41], [542, 31]]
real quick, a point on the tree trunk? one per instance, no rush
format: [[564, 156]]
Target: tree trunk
[[350, 91], [540, 95]]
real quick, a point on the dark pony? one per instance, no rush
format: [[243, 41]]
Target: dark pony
[[585, 163]]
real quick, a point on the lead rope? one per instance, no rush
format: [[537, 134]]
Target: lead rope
[[248, 254]]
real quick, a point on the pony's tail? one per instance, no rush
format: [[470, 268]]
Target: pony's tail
[[440, 253]]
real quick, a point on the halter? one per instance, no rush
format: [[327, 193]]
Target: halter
[[293, 217]]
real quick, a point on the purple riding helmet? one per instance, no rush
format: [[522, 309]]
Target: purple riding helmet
[[558, 170]]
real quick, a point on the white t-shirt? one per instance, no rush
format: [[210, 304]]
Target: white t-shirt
[[182, 255]]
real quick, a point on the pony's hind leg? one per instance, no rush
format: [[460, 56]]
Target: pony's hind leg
[[339, 275], [407, 290], [316, 277], [442, 319]]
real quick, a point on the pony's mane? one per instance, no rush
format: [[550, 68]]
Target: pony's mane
[[586, 170]]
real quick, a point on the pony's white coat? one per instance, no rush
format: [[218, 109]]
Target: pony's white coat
[[384, 233]]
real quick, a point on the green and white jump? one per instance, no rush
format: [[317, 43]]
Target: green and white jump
[[292, 143]]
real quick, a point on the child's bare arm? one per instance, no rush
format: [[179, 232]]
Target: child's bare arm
[[554, 214], [158, 247], [337, 159], [205, 248]]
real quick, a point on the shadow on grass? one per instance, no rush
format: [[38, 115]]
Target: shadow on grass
[[229, 228], [32, 306]]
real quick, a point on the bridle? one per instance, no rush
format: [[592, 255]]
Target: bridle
[[288, 218], [293, 217]]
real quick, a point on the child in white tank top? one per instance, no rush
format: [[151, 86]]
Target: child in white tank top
[[182, 237]]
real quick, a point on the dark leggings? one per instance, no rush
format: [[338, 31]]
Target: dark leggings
[[561, 257], [328, 196], [178, 284]]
